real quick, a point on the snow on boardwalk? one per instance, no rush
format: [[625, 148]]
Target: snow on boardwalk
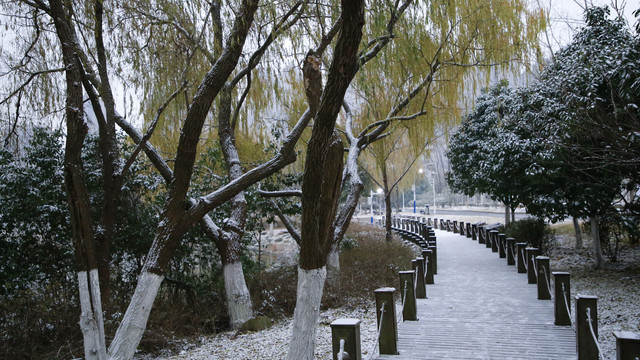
[[481, 308]]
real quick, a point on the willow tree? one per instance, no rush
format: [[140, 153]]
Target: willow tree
[[461, 43], [239, 108], [392, 158]]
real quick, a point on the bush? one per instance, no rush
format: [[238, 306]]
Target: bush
[[533, 231], [273, 292], [615, 229], [368, 263]]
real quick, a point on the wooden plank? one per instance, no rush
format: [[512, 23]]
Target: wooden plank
[[481, 308]]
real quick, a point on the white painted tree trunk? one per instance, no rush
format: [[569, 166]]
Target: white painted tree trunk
[[134, 322], [91, 320], [305, 316], [237, 294], [595, 238]]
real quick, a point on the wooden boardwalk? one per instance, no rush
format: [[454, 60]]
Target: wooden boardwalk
[[481, 308]]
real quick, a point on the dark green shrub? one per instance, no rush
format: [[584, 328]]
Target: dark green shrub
[[533, 231]]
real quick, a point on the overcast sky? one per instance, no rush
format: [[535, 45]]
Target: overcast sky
[[567, 16]]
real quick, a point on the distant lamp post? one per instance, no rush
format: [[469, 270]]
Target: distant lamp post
[[371, 193], [432, 182], [414, 191], [414, 196]]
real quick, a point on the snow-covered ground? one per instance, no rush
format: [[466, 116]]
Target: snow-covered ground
[[617, 286], [272, 343]]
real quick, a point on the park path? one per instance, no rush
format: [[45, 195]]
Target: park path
[[481, 308]]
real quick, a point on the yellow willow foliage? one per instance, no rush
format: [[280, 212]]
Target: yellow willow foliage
[[166, 40], [459, 43]]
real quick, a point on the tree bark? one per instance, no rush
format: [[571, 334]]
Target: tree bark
[[595, 238], [178, 216], [333, 267], [237, 295], [507, 215], [134, 322], [309, 295], [91, 320], [387, 202], [322, 179], [239, 305], [576, 227]]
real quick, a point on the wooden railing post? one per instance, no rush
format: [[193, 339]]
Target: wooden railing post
[[346, 331], [562, 298], [544, 281], [435, 223], [418, 266], [481, 237], [387, 322], [469, 231], [532, 276], [522, 258], [502, 245], [455, 226], [408, 292], [428, 256], [434, 253], [511, 251], [474, 232], [627, 345], [493, 235], [487, 238], [462, 229], [587, 308]]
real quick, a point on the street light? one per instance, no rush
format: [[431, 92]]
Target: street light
[[414, 191], [371, 193], [414, 195], [433, 187]]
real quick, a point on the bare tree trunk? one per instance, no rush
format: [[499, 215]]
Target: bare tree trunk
[[91, 318], [576, 227], [322, 175], [595, 237], [320, 194], [239, 305], [387, 202], [177, 217], [333, 266], [507, 215]]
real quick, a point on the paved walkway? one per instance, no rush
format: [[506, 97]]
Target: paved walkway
[[481, 308]]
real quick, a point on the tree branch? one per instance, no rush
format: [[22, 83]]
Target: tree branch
[[281, 193], [287, 224], [29, 79], [152, 126]]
